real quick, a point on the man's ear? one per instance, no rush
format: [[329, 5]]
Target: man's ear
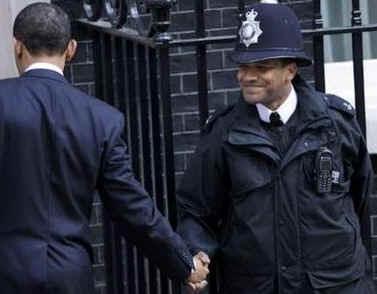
[[18, 47], [292, 70], [71, 50]]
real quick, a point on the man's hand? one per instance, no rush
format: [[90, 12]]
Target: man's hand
[[197, 281]]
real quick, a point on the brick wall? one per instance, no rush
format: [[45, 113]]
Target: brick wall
[[221, 19]]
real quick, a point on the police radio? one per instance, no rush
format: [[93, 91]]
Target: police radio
[[323, 166]]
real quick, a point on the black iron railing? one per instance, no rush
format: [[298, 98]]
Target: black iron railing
[[131, 53]]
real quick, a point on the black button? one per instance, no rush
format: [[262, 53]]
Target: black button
[[283, 268], [281, 222]]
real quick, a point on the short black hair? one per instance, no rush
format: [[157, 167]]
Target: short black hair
[[44, 29]]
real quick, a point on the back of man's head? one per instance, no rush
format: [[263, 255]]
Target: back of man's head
[[44, 29]]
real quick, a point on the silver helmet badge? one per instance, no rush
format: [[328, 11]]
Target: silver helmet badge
[[250, 29]]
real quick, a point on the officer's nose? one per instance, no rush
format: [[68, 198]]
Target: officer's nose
[[247, 75]]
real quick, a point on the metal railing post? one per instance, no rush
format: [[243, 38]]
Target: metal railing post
[[201, 63], [319, 59], [358, 66]]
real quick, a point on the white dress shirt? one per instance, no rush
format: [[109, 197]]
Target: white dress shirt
[[285, 110], [44, 65]]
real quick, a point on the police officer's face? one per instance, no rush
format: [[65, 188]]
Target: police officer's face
[[267, 82]]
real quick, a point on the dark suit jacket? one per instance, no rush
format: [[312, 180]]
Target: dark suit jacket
[[57, 147]]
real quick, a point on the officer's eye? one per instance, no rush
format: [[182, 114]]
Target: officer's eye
[[260, 66], [263, 67]]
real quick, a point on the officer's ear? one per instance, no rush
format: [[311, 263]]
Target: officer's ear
[[291, 69]]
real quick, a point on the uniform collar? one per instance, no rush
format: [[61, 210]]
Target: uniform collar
[[44, 65], [285, 110], [311, 107]]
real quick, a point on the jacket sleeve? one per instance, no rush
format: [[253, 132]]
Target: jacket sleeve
[[202, 195], [362, 182], [130, 206]]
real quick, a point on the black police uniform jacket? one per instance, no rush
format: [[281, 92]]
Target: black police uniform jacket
[[259, 212], [57, 147]]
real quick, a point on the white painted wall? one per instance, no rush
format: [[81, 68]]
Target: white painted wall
[[8, 11], [339, 81]]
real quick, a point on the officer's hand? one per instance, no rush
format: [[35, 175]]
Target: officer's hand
[[197, 287], [203, 258], [201, 263], [196, 280]]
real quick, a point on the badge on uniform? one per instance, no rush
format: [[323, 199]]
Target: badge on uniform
[[250, 29]]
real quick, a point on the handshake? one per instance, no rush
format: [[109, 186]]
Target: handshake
[[197, 280]]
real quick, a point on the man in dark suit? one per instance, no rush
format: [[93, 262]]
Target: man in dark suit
[[57, 147]]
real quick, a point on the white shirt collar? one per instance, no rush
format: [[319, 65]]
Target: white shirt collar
[[44, 65], [285, 110]]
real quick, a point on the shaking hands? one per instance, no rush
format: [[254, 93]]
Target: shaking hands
[[197, 280]]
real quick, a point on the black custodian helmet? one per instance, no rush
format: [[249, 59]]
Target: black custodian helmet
[[269, 31]]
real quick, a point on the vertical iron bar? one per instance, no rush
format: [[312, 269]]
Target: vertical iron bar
[[121, 78], [113, 256], [134, 151], [97, 53], [121, 94], [168, 130], [107, 62], [133, 109], [358, 66], [318, 50], [155, 284], [201, 63], [168, 133], [156, 132], [144, 117], [241, 8], [202, 80], [113, 246], [121, 88], [145, 146], [200, 19]]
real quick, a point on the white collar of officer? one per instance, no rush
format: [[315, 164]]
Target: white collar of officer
[[44, 65], [285, 110]]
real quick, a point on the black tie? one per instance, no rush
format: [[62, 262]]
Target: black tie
[[275, 119]]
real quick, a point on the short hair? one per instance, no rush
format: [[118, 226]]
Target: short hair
[[44, 29]]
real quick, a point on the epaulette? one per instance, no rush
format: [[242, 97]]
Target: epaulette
[[213, 117], [339, 104]]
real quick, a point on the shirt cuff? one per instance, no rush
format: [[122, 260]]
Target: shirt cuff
[[194, 262]]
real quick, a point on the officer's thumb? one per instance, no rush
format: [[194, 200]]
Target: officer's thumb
[[204, 257]]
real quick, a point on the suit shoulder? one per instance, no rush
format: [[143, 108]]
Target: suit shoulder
[[340, 105], [106, 114], [5, 84], [8, 81], [104, 108], [11, 88]]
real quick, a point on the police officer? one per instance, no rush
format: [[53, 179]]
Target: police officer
[[278, 187]]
